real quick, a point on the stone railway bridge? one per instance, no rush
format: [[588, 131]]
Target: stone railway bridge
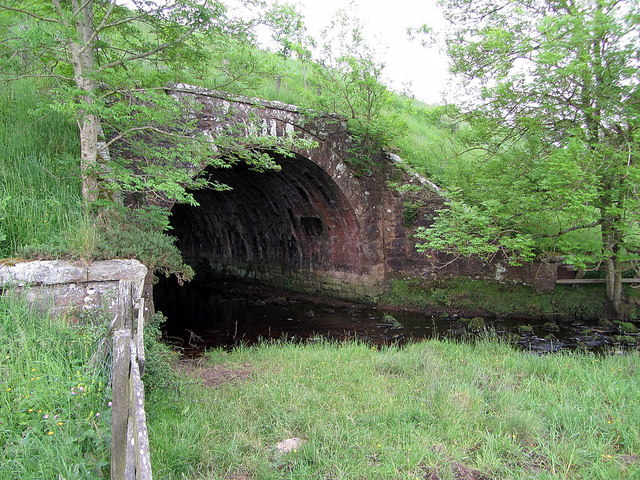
[[316, 225]]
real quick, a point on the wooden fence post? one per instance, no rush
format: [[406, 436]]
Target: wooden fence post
[[120, 372], [139, 434], [130, 459]]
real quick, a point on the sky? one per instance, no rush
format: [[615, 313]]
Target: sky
[[408, 65]]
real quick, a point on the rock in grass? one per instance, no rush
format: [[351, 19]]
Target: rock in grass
[[289, 445]]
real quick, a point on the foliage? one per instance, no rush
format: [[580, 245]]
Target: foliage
[[39, 187], [159, 374], [141, 234], [350, 83], [554, 125], [288, 30], [468, 230], [53, 398], [424, 410]]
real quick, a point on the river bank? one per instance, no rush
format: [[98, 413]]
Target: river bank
[[430, 410]]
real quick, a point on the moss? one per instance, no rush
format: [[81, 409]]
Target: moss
[[410, 213], [472, 297], [627, 327], [625, 339]]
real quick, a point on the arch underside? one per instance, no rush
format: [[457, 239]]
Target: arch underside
[[277, 227]]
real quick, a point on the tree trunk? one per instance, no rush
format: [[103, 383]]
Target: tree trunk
[[614, 288], [278, 83], [88, 156], [613, 269], [82, 53]]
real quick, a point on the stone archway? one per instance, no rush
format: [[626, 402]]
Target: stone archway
[[293, 228], [317, 225]]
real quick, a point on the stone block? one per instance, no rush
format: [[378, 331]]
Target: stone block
[[48, 272], [109, 270]]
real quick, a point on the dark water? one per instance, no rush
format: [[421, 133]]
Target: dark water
[[227, 314]]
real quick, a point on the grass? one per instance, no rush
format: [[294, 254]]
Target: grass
[[587, 302], [54, 415], [426, 411], [40, 204]]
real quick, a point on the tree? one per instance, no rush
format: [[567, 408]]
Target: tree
[[289, 31], [553, 103], [350, 83], [108, 63]]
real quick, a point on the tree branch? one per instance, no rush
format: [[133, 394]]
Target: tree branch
[[567, 230], [148, 53], [146, 128], [32, 14], [97, 29]]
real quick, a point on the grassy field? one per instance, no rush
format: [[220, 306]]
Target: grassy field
[[54, 412], [433, 410]]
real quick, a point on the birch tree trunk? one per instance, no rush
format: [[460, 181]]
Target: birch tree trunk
[[82, 53]]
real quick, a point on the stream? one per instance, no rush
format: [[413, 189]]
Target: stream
[[227, 314]]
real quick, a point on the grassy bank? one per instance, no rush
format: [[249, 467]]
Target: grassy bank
[[434, 410], [54, 414], [40, 204], [469, 296]]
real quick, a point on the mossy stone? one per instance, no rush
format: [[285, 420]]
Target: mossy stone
[[625, 339], [477, 323], [627, 327]]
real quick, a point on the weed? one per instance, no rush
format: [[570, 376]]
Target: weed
[[54, 412]]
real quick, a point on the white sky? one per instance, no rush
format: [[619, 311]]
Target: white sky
[[408, 64]]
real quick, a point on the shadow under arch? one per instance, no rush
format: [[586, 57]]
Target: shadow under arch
[[273, 226]]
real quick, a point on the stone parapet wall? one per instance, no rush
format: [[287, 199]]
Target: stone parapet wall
[[70, 289]]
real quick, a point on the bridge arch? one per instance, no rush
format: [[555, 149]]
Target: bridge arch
[[311, 226], [294, 220], [316, 225]]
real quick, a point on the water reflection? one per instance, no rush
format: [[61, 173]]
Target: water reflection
[[226, 314]]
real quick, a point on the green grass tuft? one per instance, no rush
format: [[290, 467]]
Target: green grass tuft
[[40, 202]]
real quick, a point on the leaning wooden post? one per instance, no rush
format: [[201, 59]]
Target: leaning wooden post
[[120, 371], [120, 374]]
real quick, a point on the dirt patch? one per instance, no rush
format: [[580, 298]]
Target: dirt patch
[[215, 375], [462, 472]]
